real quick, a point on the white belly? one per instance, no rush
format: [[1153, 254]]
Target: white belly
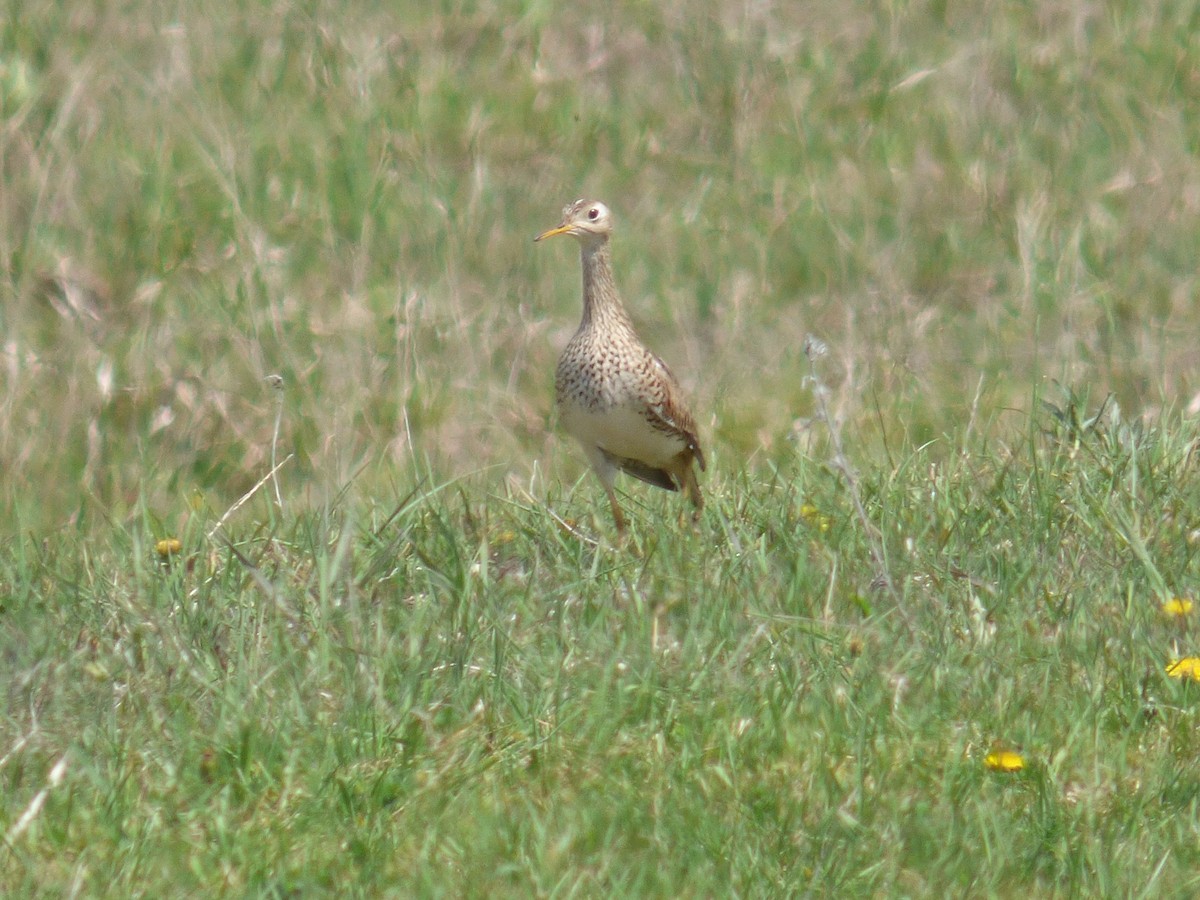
[[621, 431]]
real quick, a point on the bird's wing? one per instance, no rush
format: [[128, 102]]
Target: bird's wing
[[649, 474], [669, 416]]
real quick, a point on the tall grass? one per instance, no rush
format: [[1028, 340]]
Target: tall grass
[[344, 196]]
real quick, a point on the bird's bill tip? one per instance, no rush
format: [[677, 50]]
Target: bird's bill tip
[[561, 229]]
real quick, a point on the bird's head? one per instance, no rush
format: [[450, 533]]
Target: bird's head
[[588, 221]]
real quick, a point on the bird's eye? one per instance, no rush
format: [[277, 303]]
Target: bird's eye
[[593, 214]]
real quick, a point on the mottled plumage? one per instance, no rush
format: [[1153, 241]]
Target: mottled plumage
[[614, 396]]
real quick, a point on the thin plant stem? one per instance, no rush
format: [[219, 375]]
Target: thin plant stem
[[814, 349]]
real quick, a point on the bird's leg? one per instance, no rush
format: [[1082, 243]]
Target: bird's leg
[[692, 487], [606, 471], [618, 516]]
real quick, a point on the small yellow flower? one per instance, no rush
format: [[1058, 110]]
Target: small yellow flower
[[1177, 606], [1188, 667], [168, 547], [1004, 761], [814, 517]]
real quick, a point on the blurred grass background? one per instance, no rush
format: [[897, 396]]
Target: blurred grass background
[[958, 198]]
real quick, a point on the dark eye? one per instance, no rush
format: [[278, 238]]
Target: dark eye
[[593, 214]]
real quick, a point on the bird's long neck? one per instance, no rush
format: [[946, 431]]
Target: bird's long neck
[[601, 302]]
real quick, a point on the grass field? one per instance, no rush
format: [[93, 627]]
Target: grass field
[[941, 660]]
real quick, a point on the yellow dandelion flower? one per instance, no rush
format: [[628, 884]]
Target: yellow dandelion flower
[[1188, 667], [1004, 761], [168, 547], [1177, 606]]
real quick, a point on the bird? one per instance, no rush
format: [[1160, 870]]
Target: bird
[[614, 396]]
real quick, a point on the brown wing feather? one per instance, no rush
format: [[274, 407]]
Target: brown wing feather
[[671, 417], [657, 477]]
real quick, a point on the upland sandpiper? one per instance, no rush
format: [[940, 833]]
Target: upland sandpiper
[[614, 396]]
